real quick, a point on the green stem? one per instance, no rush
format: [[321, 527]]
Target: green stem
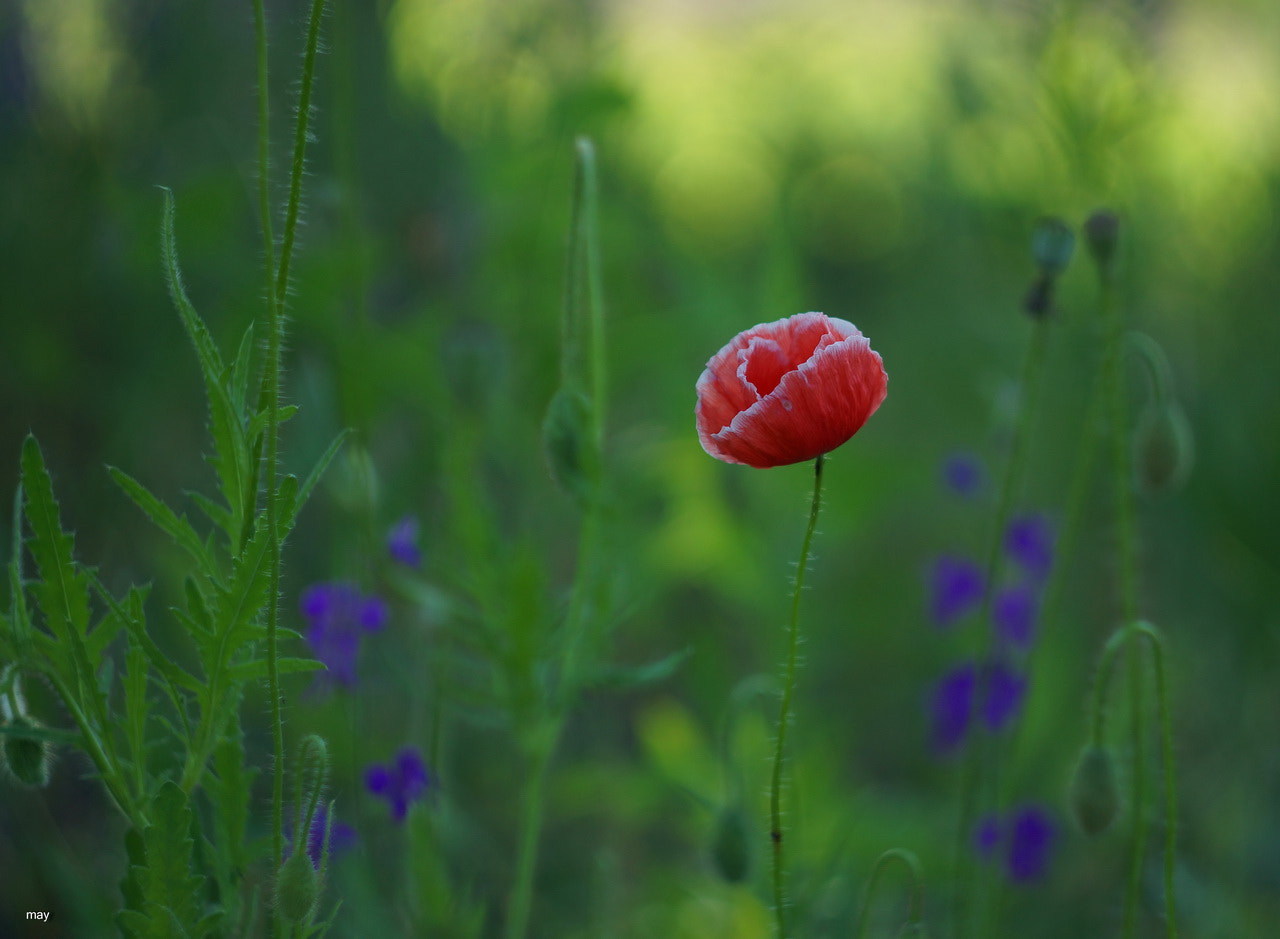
[[915, 904], [776, 830], [272, 383], [982, 753], [1156, 642], [1127, 551], [530, 834]]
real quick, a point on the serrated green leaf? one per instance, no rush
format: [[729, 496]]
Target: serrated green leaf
[[175, 526], [170, 890], [19, 618], [240, 370], [63, 590], [258, 424], [314, 477], [285, 665], [231, 459], [212, 511]]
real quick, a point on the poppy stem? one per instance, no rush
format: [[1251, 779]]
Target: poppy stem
[[915, 902], [776, 830]]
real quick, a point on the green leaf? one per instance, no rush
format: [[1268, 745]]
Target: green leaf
[[624, 677], [317, 472], [176, 526], [231, 460], [19, 622], [285, 665], [63, 590], [165, 884], [240, 371]]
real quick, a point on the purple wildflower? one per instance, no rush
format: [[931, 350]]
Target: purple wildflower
[[403, 781], [986, 838], [1004, 691], [402, 542], [338, 614], [1029, 541], [342, 837], [1014, 611], [952, 706], [962, 474], [956, 586], [1031, 840]]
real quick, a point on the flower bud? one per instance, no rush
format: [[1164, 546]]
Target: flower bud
[[1094, 795], [297, 888], [1163, 450], [731, 845], [27, 760], [566, 438], [1052, 244], [1101, 233]]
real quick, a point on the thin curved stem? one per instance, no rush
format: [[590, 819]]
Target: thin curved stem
[[915, 903], [1156, 642], [784, 712]]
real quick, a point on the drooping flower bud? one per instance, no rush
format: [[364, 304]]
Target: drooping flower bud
[[297, 888], [1094, 795], [26, 759], [1163, 449], [731, 845]]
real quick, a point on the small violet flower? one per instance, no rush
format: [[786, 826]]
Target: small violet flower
[[956, 589], [962, 473], [1005, 690], [402, 542], [1014, 612], [338, 615], [402, 782], [342, 837], [1029, 542], [952, 706], [955, 698], [1025, 838]]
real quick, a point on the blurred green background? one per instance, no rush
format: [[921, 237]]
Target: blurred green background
[[883, 161]]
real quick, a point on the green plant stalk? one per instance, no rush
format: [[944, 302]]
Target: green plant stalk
[[1122, 638], [583, 290], [915, 903], [1154, 640], [982, 750], [272, 383], [776, 830], [1127, 551]]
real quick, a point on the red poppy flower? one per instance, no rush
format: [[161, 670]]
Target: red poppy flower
[[788, 391]]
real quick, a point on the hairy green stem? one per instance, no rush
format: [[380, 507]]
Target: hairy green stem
[[776, 830], [915, 904], [530, 833], [1156, 642], [272, 383]]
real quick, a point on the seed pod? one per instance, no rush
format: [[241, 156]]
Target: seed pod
[[1094, 795], [731, 845], [566, 438], [297, 888], [1163, 450], [27, 760], [1052, 244]]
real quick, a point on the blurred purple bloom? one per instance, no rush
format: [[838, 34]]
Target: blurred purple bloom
[[337, 614], [952, 706], [342, 837], [962, 474], [402, 542], [1014, 611], [1031, 839], [987, 836], [1027, 834], [956, 586], [1029, 541], [403, 781], [1004, 692]]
